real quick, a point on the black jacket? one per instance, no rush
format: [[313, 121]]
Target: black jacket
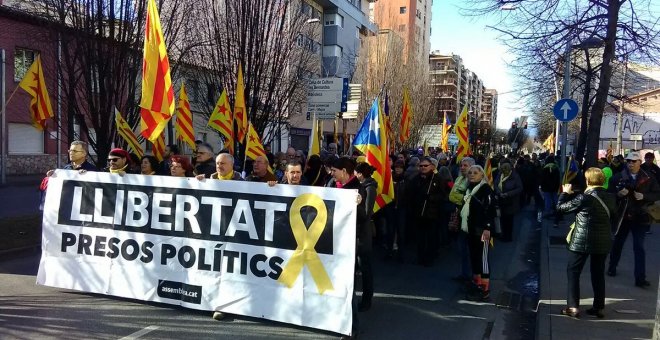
[[592, 233], [205, 168], [481, 213], [361, 218], [427, 193], [509, 196], [645, 184], [550, 178]]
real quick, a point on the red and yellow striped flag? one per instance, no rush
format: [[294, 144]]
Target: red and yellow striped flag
[[159, 147], [127, 134], [253, 146], [446, 125], [157, 93], [489, 172], [462, 134], [240, 110], [184, 125], [406, 117], [222, 120], [34, 84]]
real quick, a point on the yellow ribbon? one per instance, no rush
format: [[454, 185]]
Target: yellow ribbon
[[306, 239]]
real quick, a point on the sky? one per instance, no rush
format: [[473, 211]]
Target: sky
[[480, 50]]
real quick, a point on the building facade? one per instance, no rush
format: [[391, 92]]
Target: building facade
[[411, 19], [456, 87]]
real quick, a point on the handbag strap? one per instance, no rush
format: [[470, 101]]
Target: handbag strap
[[602, 203]]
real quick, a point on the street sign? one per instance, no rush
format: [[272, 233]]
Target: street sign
[[565, 110], [327, 84], [635, 137], [320, 96], [325, 111]]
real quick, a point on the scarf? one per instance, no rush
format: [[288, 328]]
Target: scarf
[[228, 176], [118, 170], [502, 179], [465, 211]]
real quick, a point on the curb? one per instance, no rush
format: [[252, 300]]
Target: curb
[[544, 305]]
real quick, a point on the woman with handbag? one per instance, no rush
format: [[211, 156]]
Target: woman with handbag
[[590, 236], [477, 216]]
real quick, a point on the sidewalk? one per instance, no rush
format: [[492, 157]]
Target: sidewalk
[[630, 312]]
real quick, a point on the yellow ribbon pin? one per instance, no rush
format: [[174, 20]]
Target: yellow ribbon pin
[[306, 239]]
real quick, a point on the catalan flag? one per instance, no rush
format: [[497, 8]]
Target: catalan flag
[[489, 171], [406, 117], [446, 125], [34, 84], [185, 131], [127, 134], [549, 143], [222, 120], [157, 101], [314, 141], [388, 122], [240, 110], [372, 142], [462, 134], [159, 147], [253, 146]]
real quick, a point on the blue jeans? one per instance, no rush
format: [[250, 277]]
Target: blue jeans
[[550, 201], [638, 234]]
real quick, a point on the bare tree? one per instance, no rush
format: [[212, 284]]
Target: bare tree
[[101, 60], [539, 31], [382, 69], [278, 47]]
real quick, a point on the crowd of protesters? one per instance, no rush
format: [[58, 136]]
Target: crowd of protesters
[[439, 200]]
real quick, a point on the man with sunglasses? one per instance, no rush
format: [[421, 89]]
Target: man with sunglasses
[[118, 160], [426, 202], [635, 188]]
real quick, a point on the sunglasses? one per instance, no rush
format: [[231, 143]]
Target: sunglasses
[[424, 165], [112, 160]]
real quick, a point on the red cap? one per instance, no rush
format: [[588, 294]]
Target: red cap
[[119, 153]]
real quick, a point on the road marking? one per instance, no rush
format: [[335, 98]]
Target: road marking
[[140, 333], [404, 297]]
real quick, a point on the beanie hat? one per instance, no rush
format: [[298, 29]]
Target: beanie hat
[[119, 153]]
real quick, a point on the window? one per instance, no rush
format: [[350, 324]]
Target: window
[[332, 51], [403, 10], [25, 139], [23, 59], [193, 90], [334, 19]]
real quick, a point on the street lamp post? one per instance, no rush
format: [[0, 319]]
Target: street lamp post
[[566, 93]]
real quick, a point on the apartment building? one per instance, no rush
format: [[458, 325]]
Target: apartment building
[[411, 19], [455, 86]]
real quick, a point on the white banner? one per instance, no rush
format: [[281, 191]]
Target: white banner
[[284, 253]]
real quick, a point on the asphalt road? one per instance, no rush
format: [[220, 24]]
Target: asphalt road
[[411, 302]]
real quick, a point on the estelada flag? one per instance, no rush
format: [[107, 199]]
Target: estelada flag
[[157, 101], [446, 125], [34, 84], [462, 134], [127, 134], [159, 147], [406, 117], [253, 146], [222, 120], [372, 142], [185, 131], [240, 110]]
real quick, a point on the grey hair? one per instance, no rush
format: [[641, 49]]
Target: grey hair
[[479, 168], [81, 143], [228, 156], [206, 146], [469, 160]]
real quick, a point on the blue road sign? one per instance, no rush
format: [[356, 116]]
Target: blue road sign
[[565, 110]]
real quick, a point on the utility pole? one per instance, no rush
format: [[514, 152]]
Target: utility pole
[[619, 113]]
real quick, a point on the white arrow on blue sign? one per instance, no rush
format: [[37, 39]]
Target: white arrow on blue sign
[[565, 110]]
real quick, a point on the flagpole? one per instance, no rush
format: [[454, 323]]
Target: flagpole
[[59, 101]]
